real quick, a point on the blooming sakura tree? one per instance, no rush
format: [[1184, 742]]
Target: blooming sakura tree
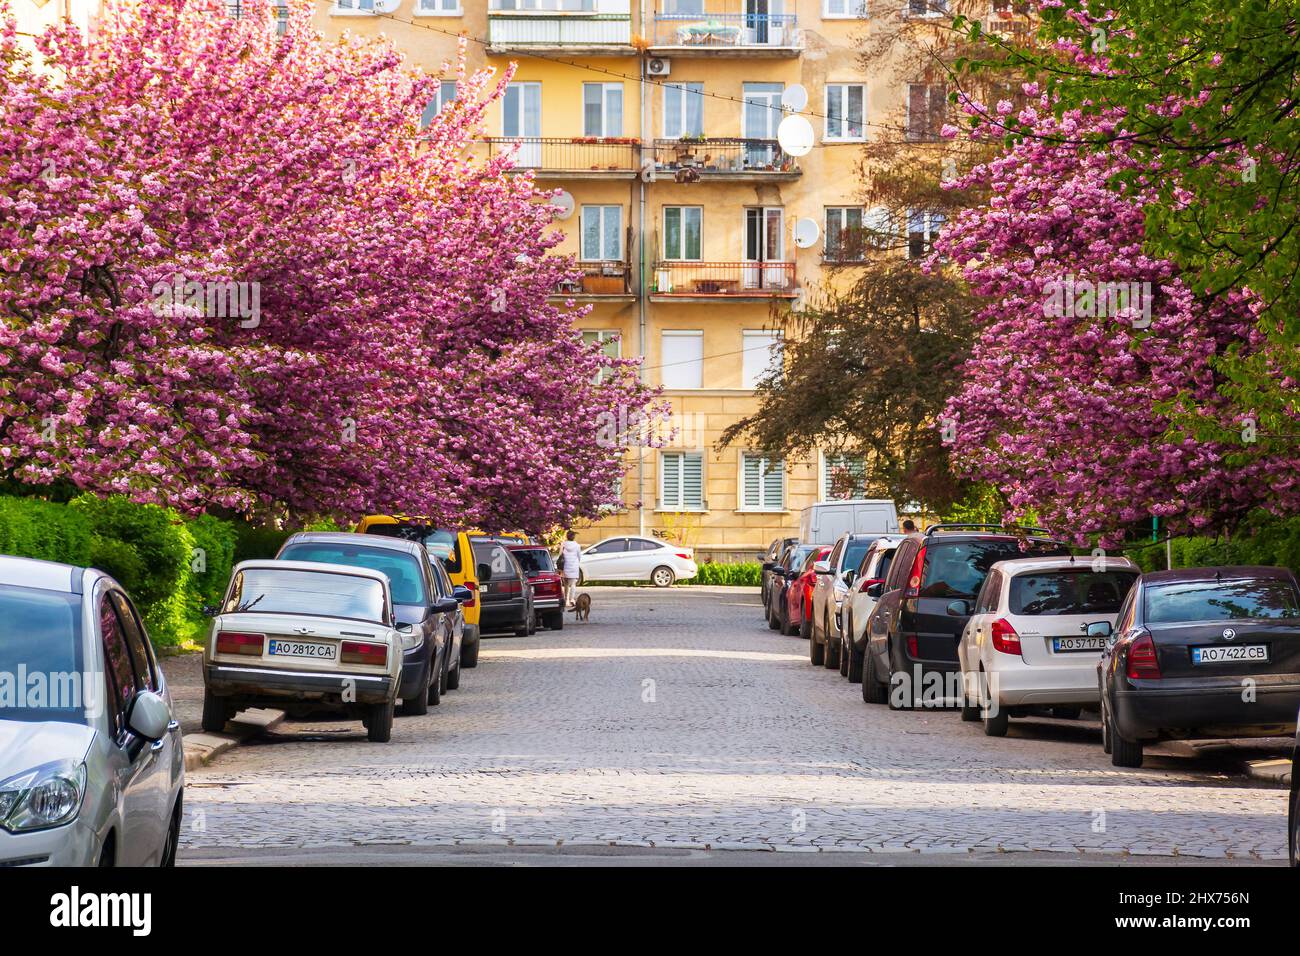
[[1088, 347], [237, 272]]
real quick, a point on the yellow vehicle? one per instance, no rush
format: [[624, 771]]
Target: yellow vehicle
[[456, 550]]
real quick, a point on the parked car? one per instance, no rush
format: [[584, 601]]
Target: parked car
[[798, 596], [503, 587], [431, 663], [457, 555], [916, 627], [786, 569], [305, 637], [1024, 646], [1293, 809], [1200, 653], [769, 561], [637, 559], [834, 577], [93, 774], [864, 594], [547, 584], [825, 521]]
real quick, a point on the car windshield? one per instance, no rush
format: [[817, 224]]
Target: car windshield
[[534, 560], [403, 570], [1070, 592], [41, 656], [957, 569], [1189, 601], [313, 593]]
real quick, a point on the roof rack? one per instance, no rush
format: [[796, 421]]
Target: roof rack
[[1006, 529]]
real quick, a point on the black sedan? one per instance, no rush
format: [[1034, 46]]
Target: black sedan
[[1200, 653], [504, 593], [1293, 815]]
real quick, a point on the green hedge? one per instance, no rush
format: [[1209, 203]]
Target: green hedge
[[1262, 539], [31, 528], [735, 574]]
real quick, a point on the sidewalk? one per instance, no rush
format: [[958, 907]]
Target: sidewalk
[[1266, 759], [184, 674]]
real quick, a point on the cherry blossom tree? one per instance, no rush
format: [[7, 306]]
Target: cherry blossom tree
[[239, 273]]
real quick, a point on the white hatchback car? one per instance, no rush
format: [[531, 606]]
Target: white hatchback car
[[91, 767], [637, 559], [863, 596], [1025, 645]]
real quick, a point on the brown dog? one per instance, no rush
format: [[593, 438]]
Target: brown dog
[[582, 607]]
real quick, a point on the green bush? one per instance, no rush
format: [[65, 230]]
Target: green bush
[[32, 528], [734, 574], [144, 546]]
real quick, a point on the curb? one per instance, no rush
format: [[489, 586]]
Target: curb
[[1276, 772], [202, 748]]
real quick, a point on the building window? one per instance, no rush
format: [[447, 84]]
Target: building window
[[602, 109], [445, 93], [602, 233], [762, 483], [568, 6], [683, 228], [844, 238], [844, 9], [681, 359], [762, 354], [922, 229], [681, 481], [927, 108], [437, 8], [846, 111], [610, 342], [926, 8], [354, 6], [843, 476], [683, 110]]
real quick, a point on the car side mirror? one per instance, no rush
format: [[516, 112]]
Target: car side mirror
[[848, 576], [446, 605], [149, 716], [404, 627], [1098, 629], [769, 566], [462, 594], [821, 567], [871, 586], [959, 608]]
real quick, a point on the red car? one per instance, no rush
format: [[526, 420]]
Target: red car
[[798, 595], [548, 586]]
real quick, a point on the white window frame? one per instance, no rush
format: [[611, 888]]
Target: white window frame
[[698, 335], [861, 14], [438, 8], [832, 137], [932, 223], [841, 213], [605, 90], [603, 338], [441, 99], [764, 464], [933, 8], [932, 135], [353, 8], [663, 222], [601, 233], [775, 358], [681, 91], [679, 502], [825, 464]]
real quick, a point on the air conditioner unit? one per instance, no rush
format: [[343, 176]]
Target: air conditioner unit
[[658, 66]]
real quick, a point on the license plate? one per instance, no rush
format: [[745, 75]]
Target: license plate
[[1229, 653], [1066, 645], [312, 649]]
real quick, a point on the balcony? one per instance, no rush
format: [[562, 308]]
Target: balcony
[[605, 281], [691, 160], [587, 157], [726, 34], [596, 34], [675, 281]]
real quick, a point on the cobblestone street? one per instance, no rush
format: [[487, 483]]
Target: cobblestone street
[[678, 719]]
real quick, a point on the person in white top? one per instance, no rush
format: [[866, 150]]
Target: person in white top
[[571, 557]]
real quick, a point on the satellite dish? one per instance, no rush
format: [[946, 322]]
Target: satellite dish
[[386, 6], [794, 97], [562, 205], [806, 233], [795, 134]]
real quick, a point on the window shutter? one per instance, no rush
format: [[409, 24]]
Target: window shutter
[[692, 469], [773, 484], [671, 485], [752, 488]]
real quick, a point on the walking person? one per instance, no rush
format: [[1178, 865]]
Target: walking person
[[570, 561]]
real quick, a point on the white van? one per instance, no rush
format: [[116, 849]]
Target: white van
[[825, 521]]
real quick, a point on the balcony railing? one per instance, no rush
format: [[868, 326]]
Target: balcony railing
[[516, 29], [723, 279], [607, 277], [586, 155], [687, 158], [721, 30]]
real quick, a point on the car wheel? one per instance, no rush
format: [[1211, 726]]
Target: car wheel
[[995, 724], [453, 677], [521, 629], [173, 840], [969, 712], [872, 690], [832, 657], [1105, 728], [816, 652], [1123, 753], [844, 656], [1067, 713], [855, 664], [555, 620], [379, 726], [435, 692], [108, 855], [1295, 829], [215, 713], [662, 577], [469, 652], [898, 701], [442, 677], [773, 621], [806, 630]]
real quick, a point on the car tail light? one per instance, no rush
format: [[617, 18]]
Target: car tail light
[[473, 593], [913, 588], [355, 652], [1005, 638], [913, 650], [1142, 662], [684, 557], [231, 642]]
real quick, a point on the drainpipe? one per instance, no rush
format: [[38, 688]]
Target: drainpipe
[[641, 270]]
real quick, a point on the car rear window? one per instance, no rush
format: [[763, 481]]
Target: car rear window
[[403, 570], [1189, 601], [440, 542], [492, 559], [957, 569], [40, 633], [290, 591], [534, 560], [1070, 592]]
